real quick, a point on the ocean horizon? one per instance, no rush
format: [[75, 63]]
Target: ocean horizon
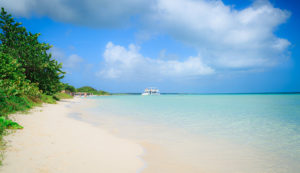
[[212, 93]]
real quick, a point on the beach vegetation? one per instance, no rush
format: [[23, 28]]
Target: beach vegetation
[[7, 123], [29, 75], [89, 89], [37, 65], [59, 96], [69, 88]]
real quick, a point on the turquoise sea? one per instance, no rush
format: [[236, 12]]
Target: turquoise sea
[[266, 125]]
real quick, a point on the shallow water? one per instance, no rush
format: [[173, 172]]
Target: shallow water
[[215, 133]]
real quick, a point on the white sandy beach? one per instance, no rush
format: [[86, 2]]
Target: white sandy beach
[[66, 138], [52, 142]]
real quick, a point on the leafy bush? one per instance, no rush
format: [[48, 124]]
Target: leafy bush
[[13, 104], [60, 96], [8, 124], [15, 90], [48, 99]]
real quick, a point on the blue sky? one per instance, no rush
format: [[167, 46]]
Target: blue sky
[[199, 46]]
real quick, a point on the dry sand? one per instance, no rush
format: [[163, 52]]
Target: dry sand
[[52, 142]]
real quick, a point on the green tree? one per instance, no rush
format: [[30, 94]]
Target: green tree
[[15, 89], [12, 78], [86, 89], [39, 66], [68, 87], [27, 71], [92, 90]]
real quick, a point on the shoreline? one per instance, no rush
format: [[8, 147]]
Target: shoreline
[[82, 138], [52, 141], [172, 149]]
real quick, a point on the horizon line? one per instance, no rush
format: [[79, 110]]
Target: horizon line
[[292, 92]]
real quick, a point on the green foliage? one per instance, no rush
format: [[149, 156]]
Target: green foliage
[[14, 103], [12, 78], [86, 89], [48, 99], [28, 73], [51, 99], [7, 123], [69, 88], [103, 92], [60, 96], [38, 65], [15, 89], [89, 89]]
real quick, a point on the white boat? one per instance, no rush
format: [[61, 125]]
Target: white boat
[[151, 91]]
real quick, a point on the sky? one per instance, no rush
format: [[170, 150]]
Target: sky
[[186, 46]]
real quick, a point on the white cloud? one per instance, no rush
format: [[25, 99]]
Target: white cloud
[[95, 13], [121, 62], [223, 36], [69, 62], [226, 37], [57, 53], [73, 61]]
